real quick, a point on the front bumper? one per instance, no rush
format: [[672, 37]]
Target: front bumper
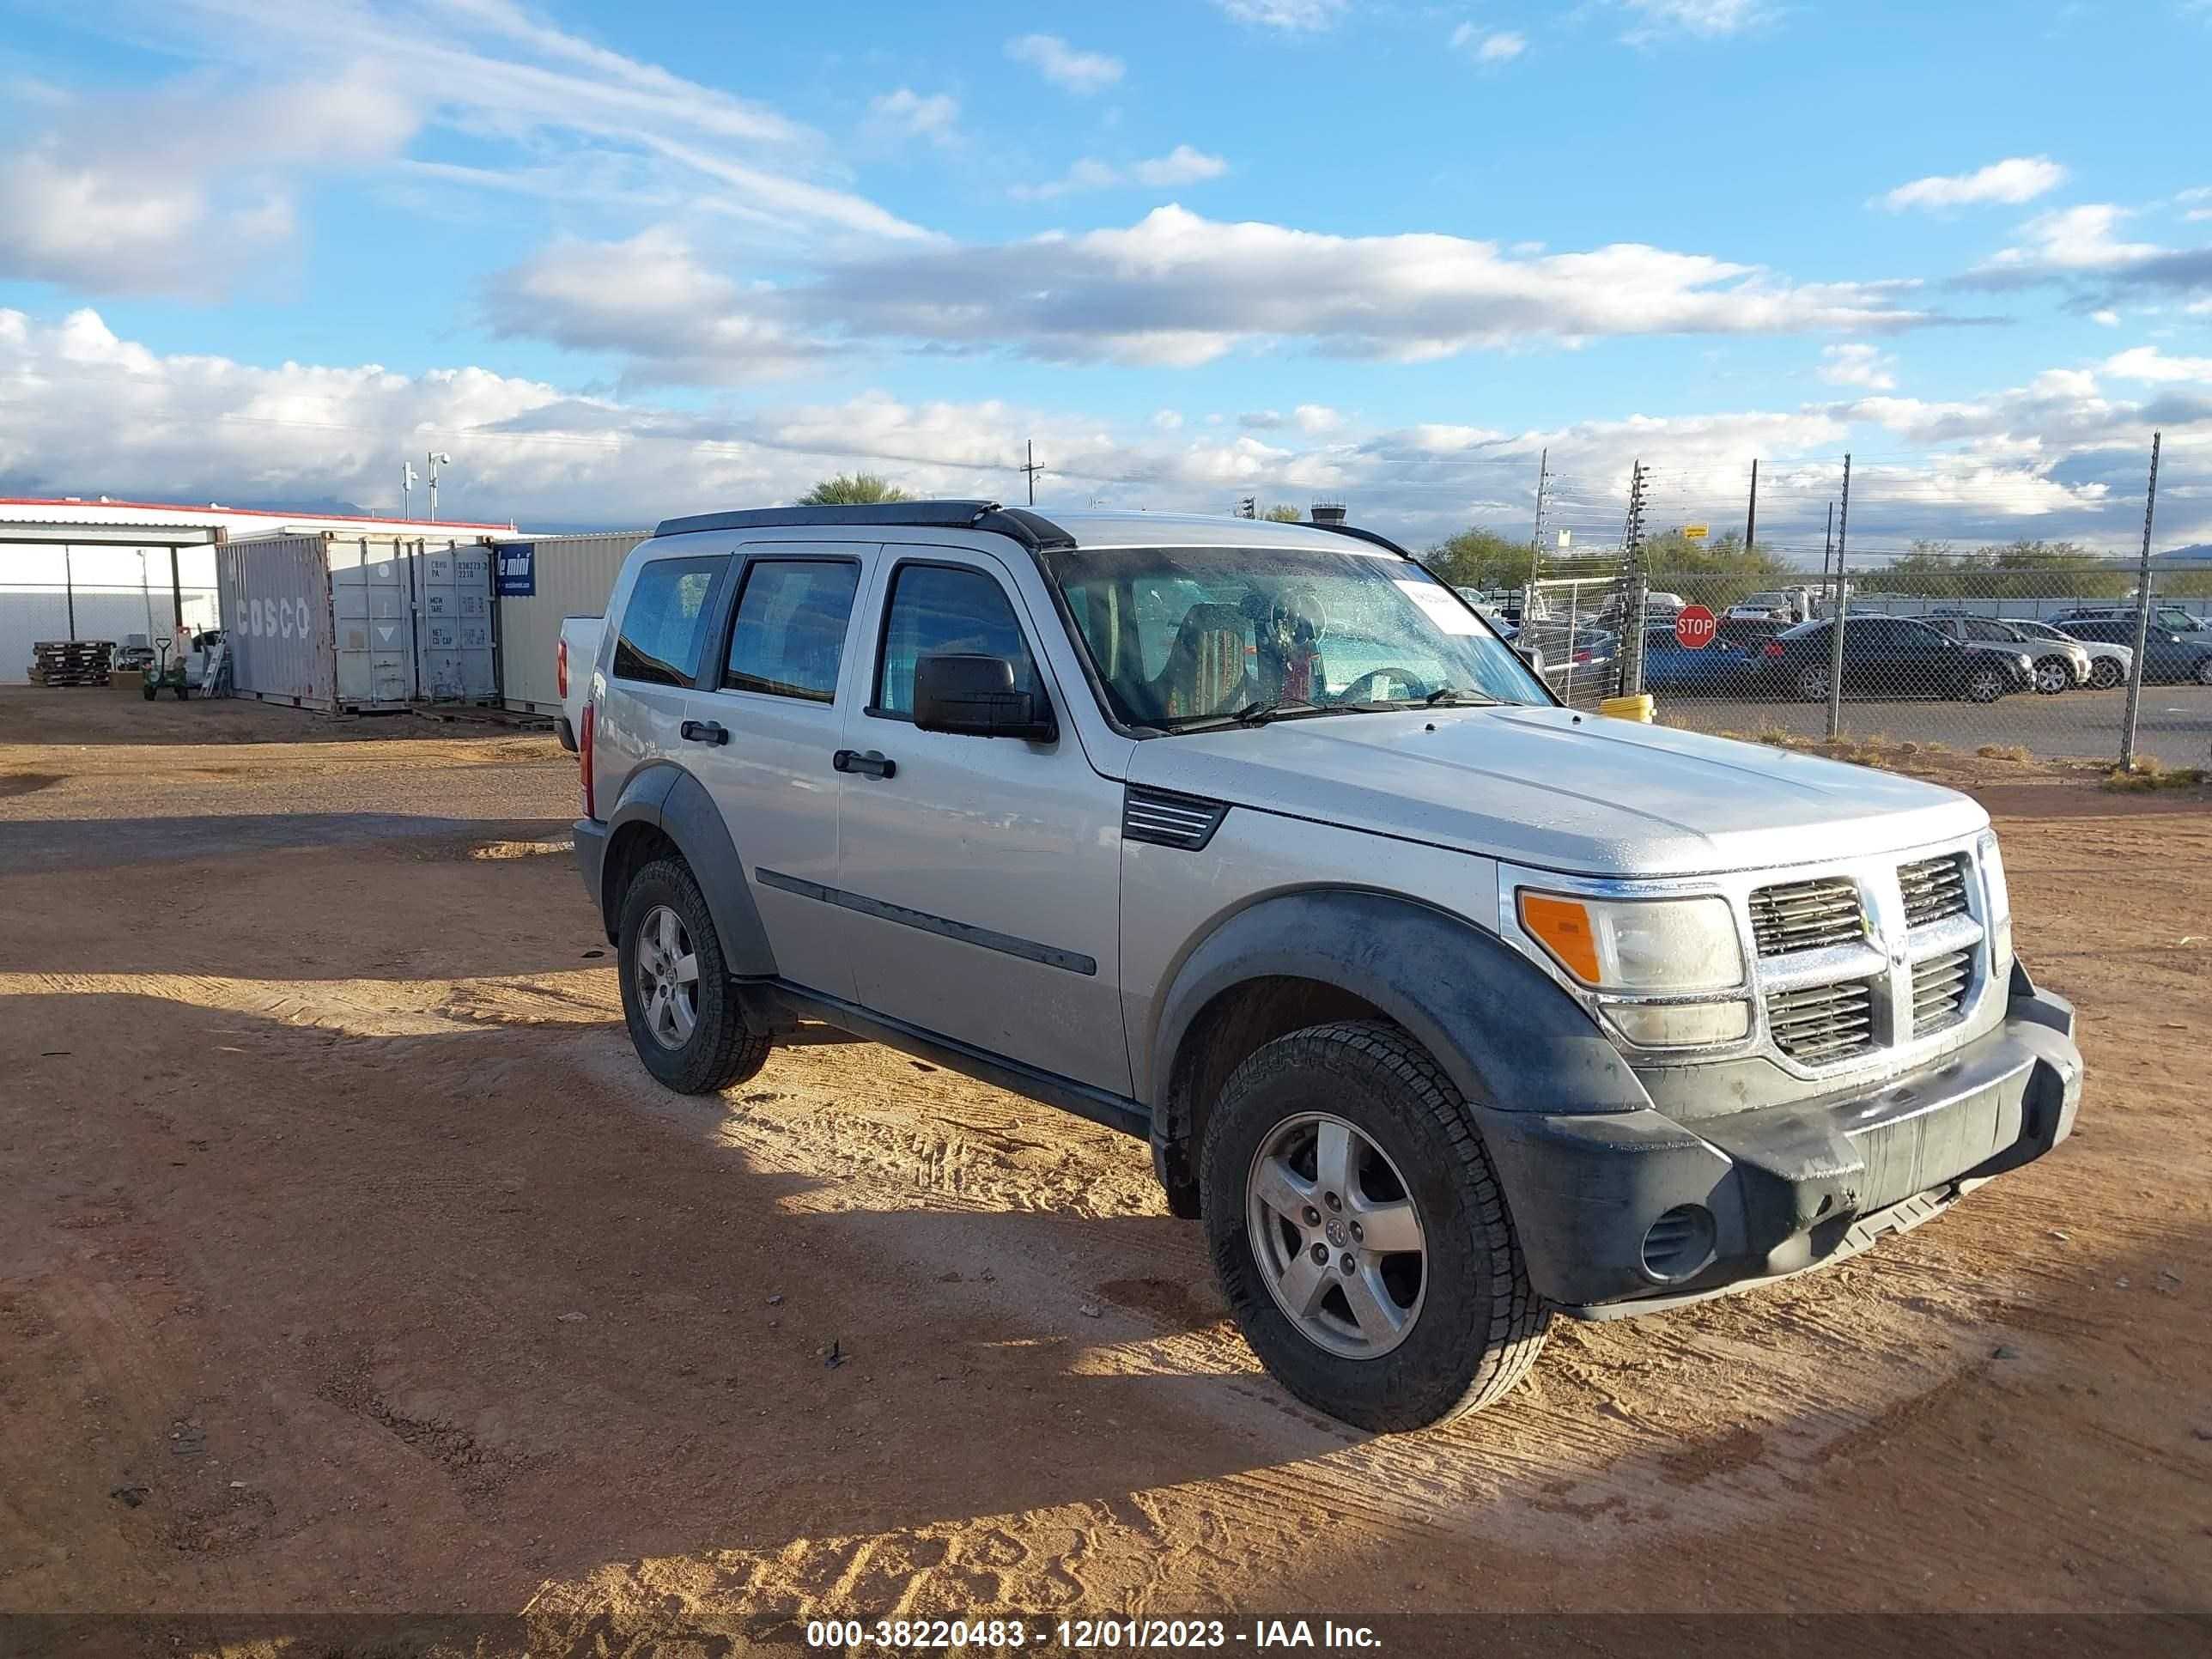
[[1755, 1196]]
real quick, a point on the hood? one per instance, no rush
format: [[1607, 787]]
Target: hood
[[1544, 787]]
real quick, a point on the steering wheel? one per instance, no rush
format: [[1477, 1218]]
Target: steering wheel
[[1352, 693]]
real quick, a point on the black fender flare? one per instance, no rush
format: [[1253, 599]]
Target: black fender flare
[[1507, 1034], [666, 798]]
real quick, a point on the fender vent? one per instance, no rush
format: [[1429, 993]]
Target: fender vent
[[1933, 889], [1167, 819]]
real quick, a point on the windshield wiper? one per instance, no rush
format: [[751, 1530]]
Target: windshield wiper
[[1259, 713], [1446, 696]]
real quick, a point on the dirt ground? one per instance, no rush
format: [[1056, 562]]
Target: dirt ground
[[349, 1261]]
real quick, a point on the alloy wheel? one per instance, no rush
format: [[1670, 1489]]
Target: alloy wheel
[[667, 978], [1336, 1236]]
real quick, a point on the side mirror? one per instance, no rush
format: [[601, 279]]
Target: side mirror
[[974, 697]]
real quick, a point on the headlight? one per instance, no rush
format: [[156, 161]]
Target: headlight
[[1681, 944], [1997, 902]]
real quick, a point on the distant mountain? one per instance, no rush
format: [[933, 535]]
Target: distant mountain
[[2197, 553], [327, 507]]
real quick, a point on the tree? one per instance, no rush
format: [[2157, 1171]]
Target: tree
[[853, 489], [1480, 557], [1280, 515]]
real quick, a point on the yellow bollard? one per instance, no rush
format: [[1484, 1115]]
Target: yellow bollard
[[1637, 708]]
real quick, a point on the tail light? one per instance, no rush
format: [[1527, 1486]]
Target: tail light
[[1583, 655], [583, 757], [561, 666], [1774, 647]]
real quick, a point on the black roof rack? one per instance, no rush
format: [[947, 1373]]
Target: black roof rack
[[1358, 534], [1032, 530]]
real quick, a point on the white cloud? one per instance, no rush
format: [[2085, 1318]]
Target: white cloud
[[2076, 239], [1314, 419], [1083, 72], [2015, 179], [130, 196], [134, 192], [1167, 420], [2197, 203], [1181, 166], [651, 299], [907, 114], [1859, 365], [2149, 363], [1489, 46], [84, 412], [2106, 319], [1713, 19], [1178, 288], [1292, 16]]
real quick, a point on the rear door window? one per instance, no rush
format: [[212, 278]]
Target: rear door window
[[789, 637], [665, 624]]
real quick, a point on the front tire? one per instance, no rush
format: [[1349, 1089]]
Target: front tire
[[678, 1000], [1985, 686], [2106, 672], [1347, 1139]]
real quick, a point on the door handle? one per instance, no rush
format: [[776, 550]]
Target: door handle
[[871, 764], [704, 731]]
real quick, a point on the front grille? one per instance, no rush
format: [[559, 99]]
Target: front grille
[[1805, 916], [1939, 990], [1822, 1022], [1171, 820], [1933, 888]]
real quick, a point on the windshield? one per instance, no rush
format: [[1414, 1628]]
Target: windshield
[[1178, 635]]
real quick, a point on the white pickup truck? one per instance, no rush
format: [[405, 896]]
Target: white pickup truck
[[573, 656]]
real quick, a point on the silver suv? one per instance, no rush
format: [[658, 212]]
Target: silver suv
[[1445, 1008]]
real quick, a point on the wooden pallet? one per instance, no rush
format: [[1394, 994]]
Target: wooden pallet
[[71, 662]]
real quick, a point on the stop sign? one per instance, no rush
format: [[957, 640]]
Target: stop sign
[[1695, 628]]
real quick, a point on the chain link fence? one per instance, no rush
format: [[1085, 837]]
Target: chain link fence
[[1725, 606]]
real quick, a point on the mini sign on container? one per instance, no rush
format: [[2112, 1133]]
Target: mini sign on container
[[1695, 626], [517, 571]]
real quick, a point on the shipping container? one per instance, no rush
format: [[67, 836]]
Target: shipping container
[[346, 623], [567, 576]]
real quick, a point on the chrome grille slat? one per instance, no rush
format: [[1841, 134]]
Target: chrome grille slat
[[1822, 1022], [1939, 990], [1807, 915], [1933, 888]]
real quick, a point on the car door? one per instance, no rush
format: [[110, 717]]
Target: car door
[[984, 872], [789, 642]]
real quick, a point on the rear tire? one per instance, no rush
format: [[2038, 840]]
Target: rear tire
[[2053, 675], [2204, 671], [1985, 686], [688, 1032], [1467, 1323], [1812, 685]]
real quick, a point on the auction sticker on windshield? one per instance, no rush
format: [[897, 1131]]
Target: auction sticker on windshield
[[1445, 612]]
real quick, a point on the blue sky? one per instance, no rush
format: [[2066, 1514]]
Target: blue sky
[[628, 260]]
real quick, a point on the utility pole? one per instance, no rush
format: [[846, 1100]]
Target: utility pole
[[1751, 515], [1635, 600], [1543, 512], [1839, 612], [1031, 468], [2143, 617], [69, 589], [436, 458]]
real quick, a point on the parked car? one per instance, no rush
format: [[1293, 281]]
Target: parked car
[[1671, 666], [2061, 664], [1565, 656], [572, 653], [2169, 658], [1788, 605], [2110, 665], [1891, 657], [2172, 617], [1441, 1006]]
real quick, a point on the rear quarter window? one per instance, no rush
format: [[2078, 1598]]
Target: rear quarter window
[[664, 624]]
